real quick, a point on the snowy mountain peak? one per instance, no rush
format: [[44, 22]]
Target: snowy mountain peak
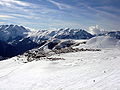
[[61, 34], [10, 32], [73, 34], [13, 27]]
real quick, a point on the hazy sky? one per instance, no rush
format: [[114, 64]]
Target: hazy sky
[[48, 14]]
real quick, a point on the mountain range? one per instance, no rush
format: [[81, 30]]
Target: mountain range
[[15, 39]]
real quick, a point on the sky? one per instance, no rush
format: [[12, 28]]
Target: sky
[[54, 14]]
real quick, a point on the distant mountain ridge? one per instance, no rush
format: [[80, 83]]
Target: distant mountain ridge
[[114, 34], [8, 33], [15, 39], [61, 34]]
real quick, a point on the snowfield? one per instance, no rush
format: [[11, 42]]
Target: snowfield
[[101, 42], [98, 70], [84, 69]]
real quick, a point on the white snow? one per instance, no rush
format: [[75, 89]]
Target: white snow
[[79, 71], [101, 42], [96, 30], [9, 32]]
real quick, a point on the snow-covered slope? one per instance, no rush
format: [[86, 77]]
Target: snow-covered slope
[[102, 42], [78, 71], [9, 33], [81, 70]]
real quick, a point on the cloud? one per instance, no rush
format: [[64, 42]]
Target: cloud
[[22, 16], [95, 30], [60, 5], [52, 29], [6, 16], [44, 15], [2, 22], [109, 8], [11, 2], [11, 7], [64, 24], [14, 6], [99, 13]]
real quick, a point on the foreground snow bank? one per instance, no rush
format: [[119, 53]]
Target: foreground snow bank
[[79, 71]]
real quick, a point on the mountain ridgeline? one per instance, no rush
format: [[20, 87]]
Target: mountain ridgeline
[[15, 39]]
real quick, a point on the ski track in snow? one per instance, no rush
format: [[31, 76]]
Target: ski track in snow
[[79, 71]]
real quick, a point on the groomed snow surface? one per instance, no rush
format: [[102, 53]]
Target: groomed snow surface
[[86, 70]]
